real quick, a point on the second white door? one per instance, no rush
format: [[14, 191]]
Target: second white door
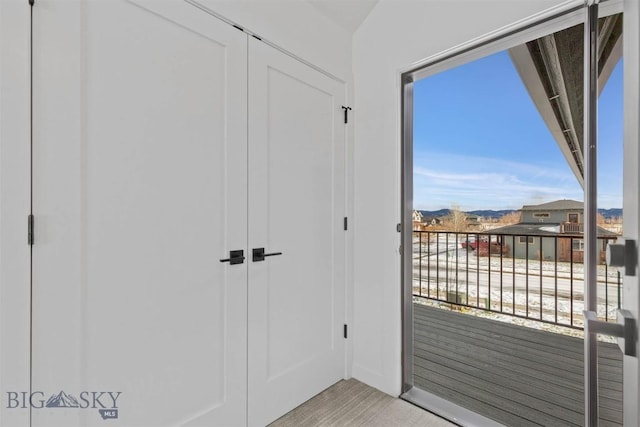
[[296, 210]]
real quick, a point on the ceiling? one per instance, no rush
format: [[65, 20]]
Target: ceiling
[[348, 14]]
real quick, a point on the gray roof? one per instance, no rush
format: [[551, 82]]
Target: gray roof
[[537, 229], [606, 233], [541, 229], [557, 205]]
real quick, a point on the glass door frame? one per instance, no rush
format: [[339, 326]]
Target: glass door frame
[[550, 21]]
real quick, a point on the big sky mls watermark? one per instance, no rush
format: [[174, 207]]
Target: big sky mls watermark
[[106, 402]]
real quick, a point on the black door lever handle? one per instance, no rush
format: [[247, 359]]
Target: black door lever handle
[[259, 255], [235, 257]]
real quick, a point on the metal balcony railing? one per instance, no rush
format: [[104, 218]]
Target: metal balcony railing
[[571, 227], [537, 277]]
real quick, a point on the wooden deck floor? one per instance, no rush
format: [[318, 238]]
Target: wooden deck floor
[[514, 375]]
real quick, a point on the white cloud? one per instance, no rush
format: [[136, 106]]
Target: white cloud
[[487, 183]]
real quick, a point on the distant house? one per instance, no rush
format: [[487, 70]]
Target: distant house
[[422, 222], [417, 219], [431, 221], [568, 212], [474, 222], [550, 231]]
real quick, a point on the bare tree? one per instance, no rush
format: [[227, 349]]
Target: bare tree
[[510, 218], [600, 219], [456, 220]]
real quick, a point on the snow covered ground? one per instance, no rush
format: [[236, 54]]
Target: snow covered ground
[[543, 290]]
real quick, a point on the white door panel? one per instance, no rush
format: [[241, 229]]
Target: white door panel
[[296, 206], [139, 191]]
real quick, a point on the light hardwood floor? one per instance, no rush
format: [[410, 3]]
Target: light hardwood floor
[[352, 403]]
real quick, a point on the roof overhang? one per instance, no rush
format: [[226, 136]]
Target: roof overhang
[[551, 69]]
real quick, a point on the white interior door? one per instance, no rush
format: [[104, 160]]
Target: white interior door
[[296, 208], [139, 191]]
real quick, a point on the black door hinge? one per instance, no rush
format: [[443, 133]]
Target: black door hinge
[[345, 330], [346, 223], [399, 228], [30, 237], [346, 113]]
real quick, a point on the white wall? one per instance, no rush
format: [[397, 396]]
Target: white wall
[[397, 34], [14, 206], [295, 26]]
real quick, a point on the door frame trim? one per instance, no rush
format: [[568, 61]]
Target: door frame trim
[[590, 141], [631, 205]]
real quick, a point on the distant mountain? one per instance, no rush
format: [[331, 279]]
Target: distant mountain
[[491, 213], [488, 213], [436, 214], [611, 213], [62, 400]]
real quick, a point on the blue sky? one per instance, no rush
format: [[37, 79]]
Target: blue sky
[[480, 143]]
